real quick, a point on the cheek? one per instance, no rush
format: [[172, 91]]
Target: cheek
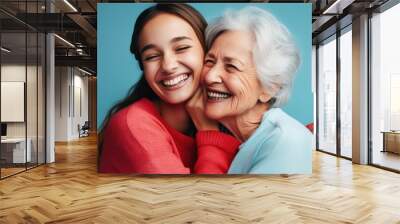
[[204, 73], [239, 86], [150, 75], [150, 70], [249, 86], [194, 59], [245, 94]]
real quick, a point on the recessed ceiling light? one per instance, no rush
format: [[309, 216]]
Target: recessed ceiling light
[[84, 71], [64, 40], [337, 7], [5, 50], [70, 5]]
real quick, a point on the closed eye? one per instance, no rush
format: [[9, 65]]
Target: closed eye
[[183, 48], [151, 57], [231, 66]]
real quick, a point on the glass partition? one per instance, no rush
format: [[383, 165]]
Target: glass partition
[[41, 87], [22, 77], [13, 103], [31, 100]]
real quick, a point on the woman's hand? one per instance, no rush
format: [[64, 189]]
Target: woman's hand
[[195, 108]]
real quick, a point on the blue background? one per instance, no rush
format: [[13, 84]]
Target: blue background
[[118, 70]]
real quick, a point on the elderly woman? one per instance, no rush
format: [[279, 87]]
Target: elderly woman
[[248, 74]]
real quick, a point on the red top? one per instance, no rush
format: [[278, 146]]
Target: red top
[[138, 140]]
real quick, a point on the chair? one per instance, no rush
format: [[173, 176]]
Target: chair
[[84, 130]]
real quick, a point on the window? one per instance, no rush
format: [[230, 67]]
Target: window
[[327, 96], [346, 92], [385, 89]]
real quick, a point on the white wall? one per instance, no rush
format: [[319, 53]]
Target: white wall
[[62, 81], [16, 72], [70, 83]]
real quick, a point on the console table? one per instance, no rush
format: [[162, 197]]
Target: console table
[[13, 150], [391, 141]]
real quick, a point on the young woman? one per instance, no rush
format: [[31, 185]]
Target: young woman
[[150, 131]]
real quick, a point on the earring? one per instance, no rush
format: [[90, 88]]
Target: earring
[[263, 98]]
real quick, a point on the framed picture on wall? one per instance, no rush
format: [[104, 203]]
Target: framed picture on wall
[[12, 101], [205, 88]]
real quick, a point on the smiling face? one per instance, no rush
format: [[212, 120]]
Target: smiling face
[[230, 76], [172, 57]]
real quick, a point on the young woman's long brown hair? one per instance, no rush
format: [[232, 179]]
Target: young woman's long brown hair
[[141, 89]]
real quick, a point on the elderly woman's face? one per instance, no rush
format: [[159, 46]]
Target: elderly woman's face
[[230, 76]]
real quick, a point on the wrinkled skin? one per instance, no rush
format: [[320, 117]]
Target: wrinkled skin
[[229, 68]]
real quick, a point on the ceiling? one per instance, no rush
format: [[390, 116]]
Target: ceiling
[[72, 20], [76, 22]]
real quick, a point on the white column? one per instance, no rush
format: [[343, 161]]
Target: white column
[[360, 90], [50, 100], [50, 92]]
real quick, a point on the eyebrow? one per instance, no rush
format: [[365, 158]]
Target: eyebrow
[[177, 39], [174, 40], [147, 47]]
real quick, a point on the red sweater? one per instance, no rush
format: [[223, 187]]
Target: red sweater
[[138, 140]]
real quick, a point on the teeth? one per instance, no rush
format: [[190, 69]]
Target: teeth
[[175, 80], [217, 95]]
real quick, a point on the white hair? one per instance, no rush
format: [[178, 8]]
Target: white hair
[[275, 54]]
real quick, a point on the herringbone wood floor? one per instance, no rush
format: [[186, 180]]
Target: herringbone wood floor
[[71, 191]]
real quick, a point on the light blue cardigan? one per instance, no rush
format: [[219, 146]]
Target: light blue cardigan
[[280, 145]]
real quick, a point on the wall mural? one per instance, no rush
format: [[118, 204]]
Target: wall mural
[[205, 88]]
